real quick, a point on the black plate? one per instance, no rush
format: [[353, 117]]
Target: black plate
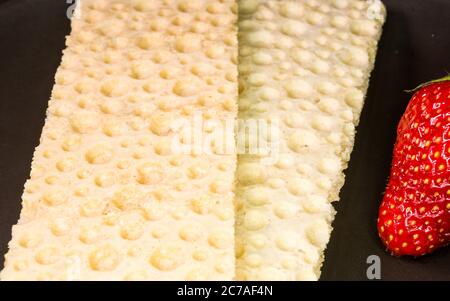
[[414, 48]]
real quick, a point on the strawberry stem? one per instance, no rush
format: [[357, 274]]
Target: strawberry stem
[[443, 79]]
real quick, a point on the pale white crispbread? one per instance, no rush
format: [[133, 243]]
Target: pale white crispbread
[[306, 65], [108, 199]]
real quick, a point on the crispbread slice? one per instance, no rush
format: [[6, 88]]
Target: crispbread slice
[[304, 67], [108, 198]]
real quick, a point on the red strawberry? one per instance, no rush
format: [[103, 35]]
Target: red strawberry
[[414, 217]]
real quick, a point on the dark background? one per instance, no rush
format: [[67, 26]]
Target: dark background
[[414, 48]]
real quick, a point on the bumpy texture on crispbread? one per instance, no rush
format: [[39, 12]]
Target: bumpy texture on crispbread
[[303, 66], [108, 199]]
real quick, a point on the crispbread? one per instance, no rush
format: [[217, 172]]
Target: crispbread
[[108, 199], [305, 66]]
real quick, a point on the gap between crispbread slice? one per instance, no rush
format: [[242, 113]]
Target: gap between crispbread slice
[[304, 67], [107, 198]]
